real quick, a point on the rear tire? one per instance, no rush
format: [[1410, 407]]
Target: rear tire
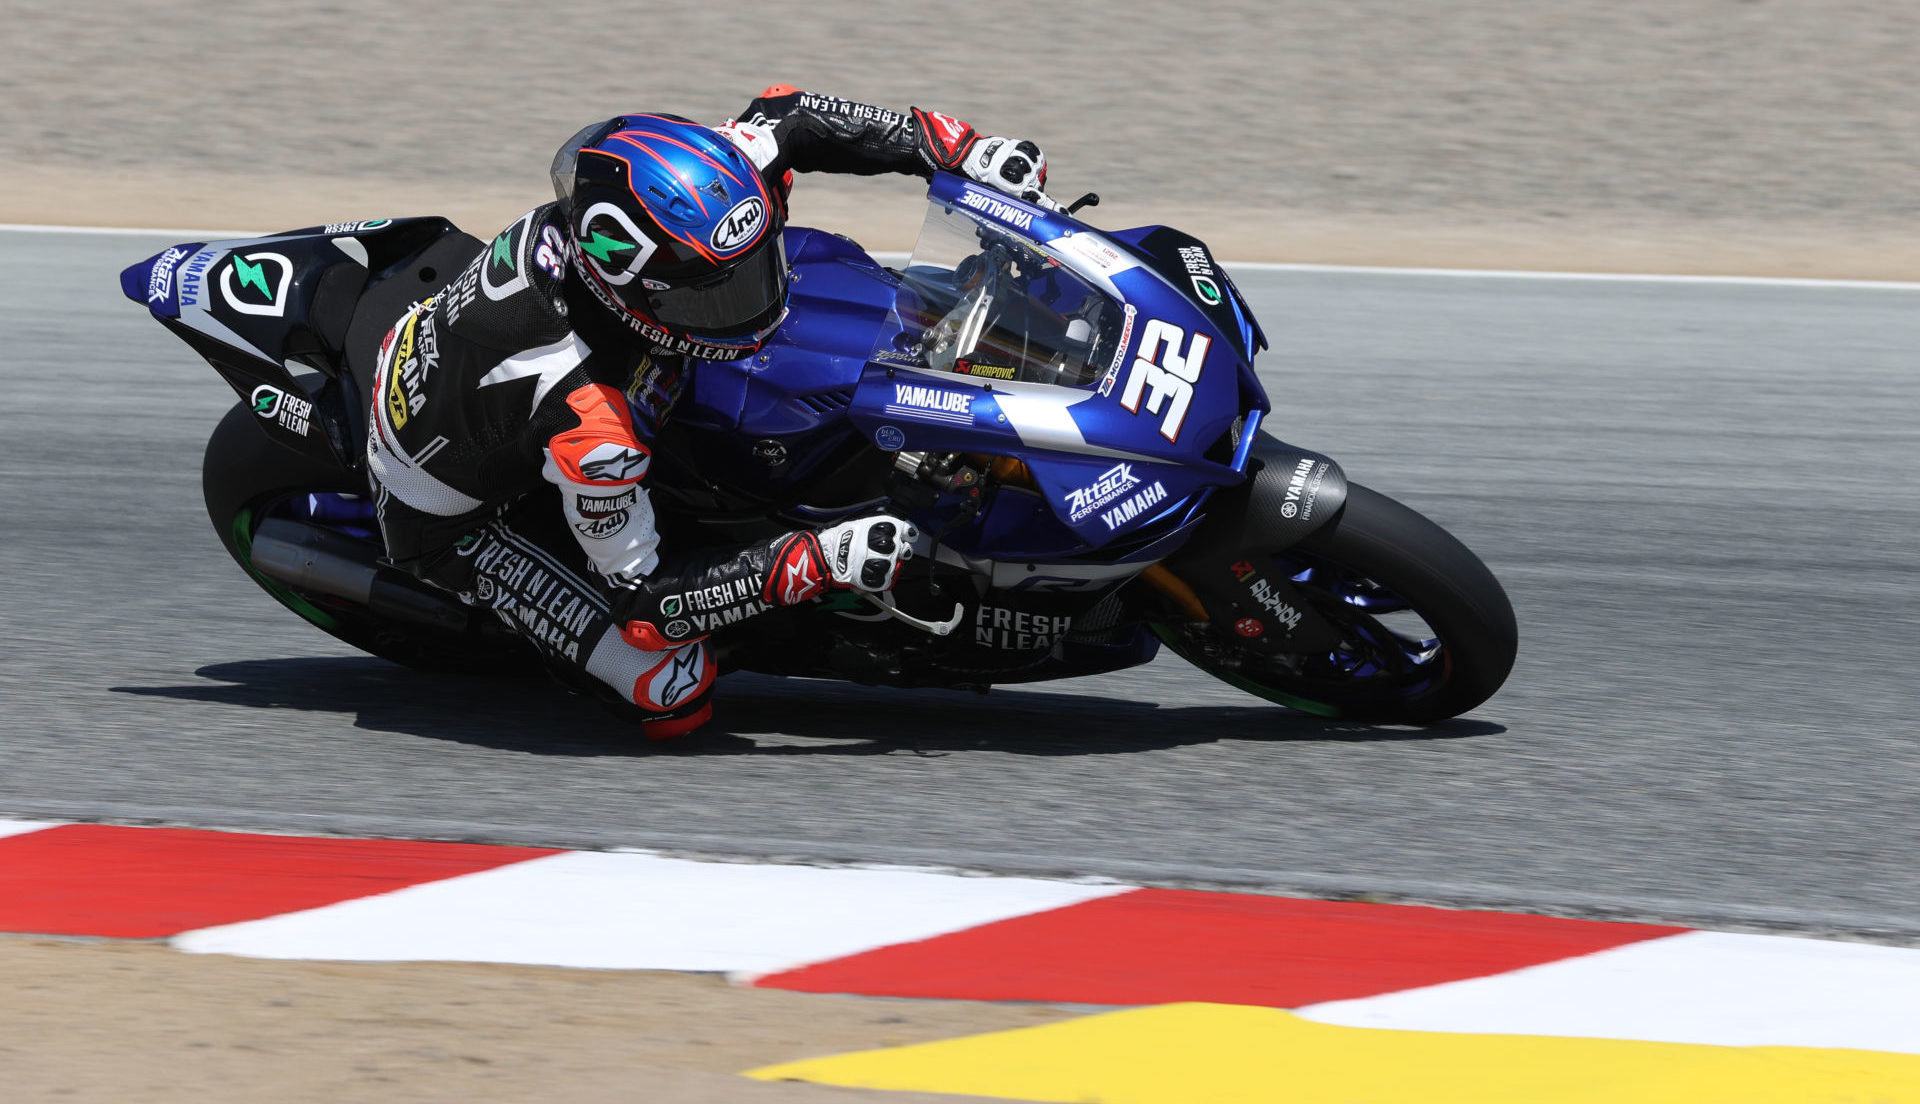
[[246, 477], [1376, 567]]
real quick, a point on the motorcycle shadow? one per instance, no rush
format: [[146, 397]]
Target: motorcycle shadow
[[762, 715]]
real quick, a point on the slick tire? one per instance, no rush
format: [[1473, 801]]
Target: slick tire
[[1377, 546]]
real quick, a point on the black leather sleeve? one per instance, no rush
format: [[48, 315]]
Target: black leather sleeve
[[694, 592], [818, 133]]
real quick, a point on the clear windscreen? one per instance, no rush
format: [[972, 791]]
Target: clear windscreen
[[977, 300]]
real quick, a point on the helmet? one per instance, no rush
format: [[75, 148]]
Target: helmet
[[673, 230]]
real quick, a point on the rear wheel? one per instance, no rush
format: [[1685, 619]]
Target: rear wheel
[[1426, 631], [247, 478]]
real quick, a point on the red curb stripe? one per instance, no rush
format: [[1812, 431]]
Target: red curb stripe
[[1158, 946], [144, 883]]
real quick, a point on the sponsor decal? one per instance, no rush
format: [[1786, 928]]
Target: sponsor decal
[[1242, 570], [1249, 627], [661, 340], [1303, 487], [890, 438], [1119, 352], [848, 108], [1103, 257], [895, 356], [708, 622], [1138, 506], [912, 400], [601, 516], [740, 225], [465, 288], [539, 604], [356, 227], [989, 371], [502, 261], [670, 606], [191, 276], [1017, 217], [798, 572], [676, 630], [160, 280], [1164, 375], [1200, 271], [290, 412], [415, 352], [256, 283], [683, 676], [1263, 593], [613, 463], [612, 243], [550, 256], [1113, 483], [1017, 630]]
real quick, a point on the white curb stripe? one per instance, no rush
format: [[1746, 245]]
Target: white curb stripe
[[643, 912], [22, 827], [1699, 987]]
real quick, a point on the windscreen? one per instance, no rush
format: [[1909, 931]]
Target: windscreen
[[981, 301]]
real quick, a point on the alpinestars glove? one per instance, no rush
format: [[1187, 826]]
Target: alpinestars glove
[[1015, 167], [866, 554]]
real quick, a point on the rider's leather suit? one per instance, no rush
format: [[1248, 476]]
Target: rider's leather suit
[[512, 380]]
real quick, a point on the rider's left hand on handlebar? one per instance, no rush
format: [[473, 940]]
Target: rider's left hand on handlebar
[[1014, 166]]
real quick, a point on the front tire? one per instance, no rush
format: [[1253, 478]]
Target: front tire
[[1427, 632]]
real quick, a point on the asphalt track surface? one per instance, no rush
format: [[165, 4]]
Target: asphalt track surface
[[1699, 495]]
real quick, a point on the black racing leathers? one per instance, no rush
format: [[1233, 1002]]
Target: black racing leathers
[[513, 377]]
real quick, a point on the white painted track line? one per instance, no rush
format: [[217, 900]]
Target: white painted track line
[[886, 257], [1699, 987], [643, 912]]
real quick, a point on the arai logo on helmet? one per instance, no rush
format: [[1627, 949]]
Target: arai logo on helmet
[[740, 225]]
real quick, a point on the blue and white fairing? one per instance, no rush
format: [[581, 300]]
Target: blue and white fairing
[[1022, 332]]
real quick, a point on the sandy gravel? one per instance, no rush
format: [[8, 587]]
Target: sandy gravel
[[129, 1022], [1687, 135]]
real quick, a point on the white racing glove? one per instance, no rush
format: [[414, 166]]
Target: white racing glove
[[866, 554], [1016, 167]]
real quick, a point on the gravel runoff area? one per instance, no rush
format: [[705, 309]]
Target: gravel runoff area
[[1775, 137]]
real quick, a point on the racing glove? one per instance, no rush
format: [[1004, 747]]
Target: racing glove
[[1015, 167], [866, 554]]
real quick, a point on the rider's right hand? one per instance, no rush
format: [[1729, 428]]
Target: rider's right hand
[[866, 554]]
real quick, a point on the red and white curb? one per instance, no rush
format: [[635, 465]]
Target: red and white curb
[[926, 933]]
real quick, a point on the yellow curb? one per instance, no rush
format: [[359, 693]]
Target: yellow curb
[[1220, 1053]]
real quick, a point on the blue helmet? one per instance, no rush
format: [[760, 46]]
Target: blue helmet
[[674, 231]]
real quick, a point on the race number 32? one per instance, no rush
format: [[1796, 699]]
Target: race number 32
[[1164, 375]]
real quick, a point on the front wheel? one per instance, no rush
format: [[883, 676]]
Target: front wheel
[[1426, 632]]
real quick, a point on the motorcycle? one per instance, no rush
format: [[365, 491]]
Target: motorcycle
[[1070, 416]]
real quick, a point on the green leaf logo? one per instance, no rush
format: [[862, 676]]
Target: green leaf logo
[[252, 275]]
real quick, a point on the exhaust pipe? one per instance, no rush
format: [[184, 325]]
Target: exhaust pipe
[[321, 561]]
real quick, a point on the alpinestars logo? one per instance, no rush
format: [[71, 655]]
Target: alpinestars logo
[[256, 283], [798, 571], [681, 677], [611, 463]]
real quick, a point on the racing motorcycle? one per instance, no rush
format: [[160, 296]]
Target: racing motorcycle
[[1070, 416]]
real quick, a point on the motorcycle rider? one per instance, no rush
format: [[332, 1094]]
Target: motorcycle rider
[[553, 359]]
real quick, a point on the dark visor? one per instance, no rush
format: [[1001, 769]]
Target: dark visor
[[742, 300]]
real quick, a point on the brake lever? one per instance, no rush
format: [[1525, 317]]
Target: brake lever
[[937, 628]]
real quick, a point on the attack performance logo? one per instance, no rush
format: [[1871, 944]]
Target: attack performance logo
[[256, 283]]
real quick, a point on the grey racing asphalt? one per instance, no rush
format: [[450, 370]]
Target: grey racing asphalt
[[1700, 497]]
